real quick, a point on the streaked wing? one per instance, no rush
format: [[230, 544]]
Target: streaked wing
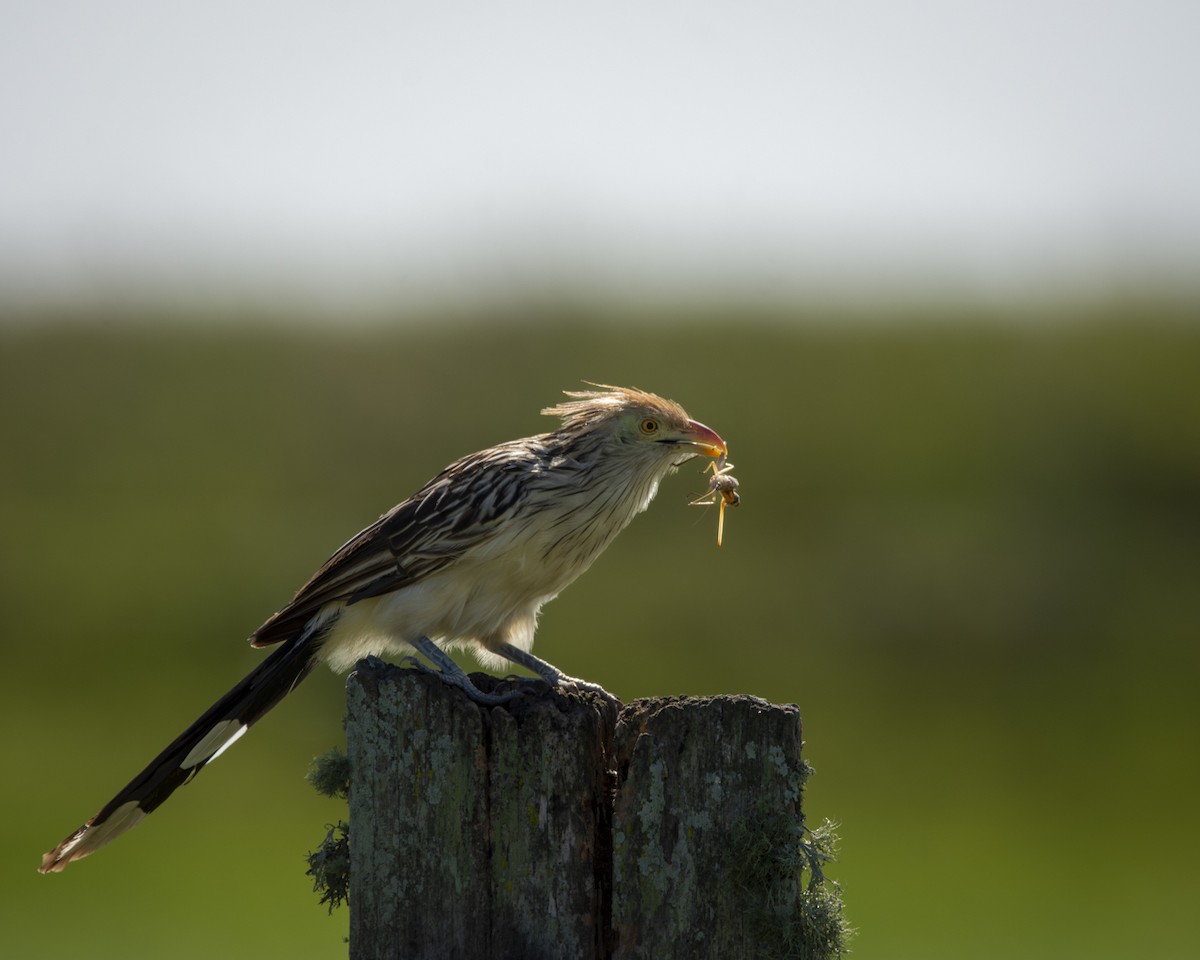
[[457, 510]]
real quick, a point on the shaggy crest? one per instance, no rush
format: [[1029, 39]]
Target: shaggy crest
[[593, 406]]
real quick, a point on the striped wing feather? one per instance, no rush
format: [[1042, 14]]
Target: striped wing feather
[[457, 510]]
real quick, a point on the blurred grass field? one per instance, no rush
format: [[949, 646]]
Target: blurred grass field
[[969, 552]]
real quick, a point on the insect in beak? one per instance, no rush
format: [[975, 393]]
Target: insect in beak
[[722, 488]]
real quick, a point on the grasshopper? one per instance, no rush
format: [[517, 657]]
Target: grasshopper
[[720, 485]]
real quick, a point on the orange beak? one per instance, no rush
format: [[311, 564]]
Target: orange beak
[[710, 444]]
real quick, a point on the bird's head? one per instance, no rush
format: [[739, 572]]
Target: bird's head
[[631, 423]]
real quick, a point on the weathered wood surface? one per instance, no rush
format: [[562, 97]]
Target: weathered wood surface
[[548, 828], [475, 832], [700, 780]]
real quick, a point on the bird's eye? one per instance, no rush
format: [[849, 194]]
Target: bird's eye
[[649, 425]]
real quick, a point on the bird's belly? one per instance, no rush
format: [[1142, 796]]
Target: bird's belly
[[488, 597], [457, 607]]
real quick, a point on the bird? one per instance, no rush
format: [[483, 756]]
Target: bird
[[466, 562]]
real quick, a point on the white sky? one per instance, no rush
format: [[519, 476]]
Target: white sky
[[360, 149]]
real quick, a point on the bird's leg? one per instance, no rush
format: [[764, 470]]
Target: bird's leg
[[550, 673], [451, 673]]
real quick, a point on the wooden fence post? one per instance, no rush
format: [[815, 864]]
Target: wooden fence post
[[709, 797], [549, 828]]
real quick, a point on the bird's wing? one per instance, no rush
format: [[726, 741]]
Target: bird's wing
[[456, 511]]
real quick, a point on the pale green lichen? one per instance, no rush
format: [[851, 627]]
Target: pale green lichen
[[792, 778], [793, 908], [330, 774], [329, 866]]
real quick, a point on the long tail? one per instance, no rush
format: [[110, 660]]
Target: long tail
[[202, 742]]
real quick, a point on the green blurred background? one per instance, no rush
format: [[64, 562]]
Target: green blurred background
[[931, 268], [968, 549]]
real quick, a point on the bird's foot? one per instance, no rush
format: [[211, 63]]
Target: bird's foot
[[450, 672], [552, 675]]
